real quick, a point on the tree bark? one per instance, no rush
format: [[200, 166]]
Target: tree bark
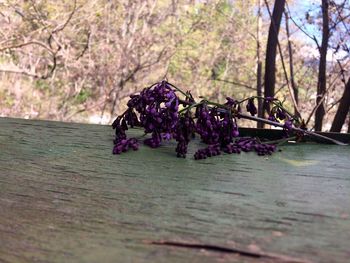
[[321, 84], [343, 109], [272, 41], [259, 67]]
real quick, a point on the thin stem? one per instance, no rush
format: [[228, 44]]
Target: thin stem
[[179, 90], [274, 101], [191, 106], [277, 124], [216, 104]]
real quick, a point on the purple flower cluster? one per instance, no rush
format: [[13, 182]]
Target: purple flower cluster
[[248, 145], [228, 125], [280, 114], [211, 150], [216, 126], [130, 118], [184, 132], [207, 125], [157, 107], [251, 107], [277, 114], [156, 110], [120, 127], [242, 144], [121, 142], [124, 145], [288, 125]]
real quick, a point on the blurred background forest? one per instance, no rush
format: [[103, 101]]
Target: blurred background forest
[[79, 60]]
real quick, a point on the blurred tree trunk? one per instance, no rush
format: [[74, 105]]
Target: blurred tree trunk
[[343, 109], [259, 67], [272, 42], [321, 84]]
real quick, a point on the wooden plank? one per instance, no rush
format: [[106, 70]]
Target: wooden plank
[[65, 198]]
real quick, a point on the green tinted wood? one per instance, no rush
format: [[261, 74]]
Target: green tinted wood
[[65, 198]]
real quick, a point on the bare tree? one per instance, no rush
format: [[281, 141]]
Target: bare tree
[[271, 49], [322, 78], [343, 109], [259, 66], [76, 59]]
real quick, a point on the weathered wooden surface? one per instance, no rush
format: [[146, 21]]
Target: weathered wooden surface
[[65, 198]]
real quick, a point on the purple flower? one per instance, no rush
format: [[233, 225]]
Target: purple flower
[[211, 150], [157, 107], [124, 145], [269, 99], [119, 130], [248, 144], [131, 118], [230, 102], [288, 125], [272, 118], [181, 149], [280, 114], [154, 141], [156, 110], [251, 107], [207, 125], [183, 134], [167, 136]]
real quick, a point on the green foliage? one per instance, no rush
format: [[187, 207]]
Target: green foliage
[[42, 85], [82, 96], [203, 43]]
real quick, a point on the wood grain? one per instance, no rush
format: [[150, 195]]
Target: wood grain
[[65, 198]]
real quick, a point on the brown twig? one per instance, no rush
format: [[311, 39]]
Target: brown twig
[[235, 83], [32, 42], [86, 46], [30, 74], [302, 30]]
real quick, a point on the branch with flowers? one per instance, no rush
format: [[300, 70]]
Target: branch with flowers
[[159, 111]]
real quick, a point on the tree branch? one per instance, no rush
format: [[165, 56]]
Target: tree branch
[[302, 30], [32, 42], [235, 83]]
